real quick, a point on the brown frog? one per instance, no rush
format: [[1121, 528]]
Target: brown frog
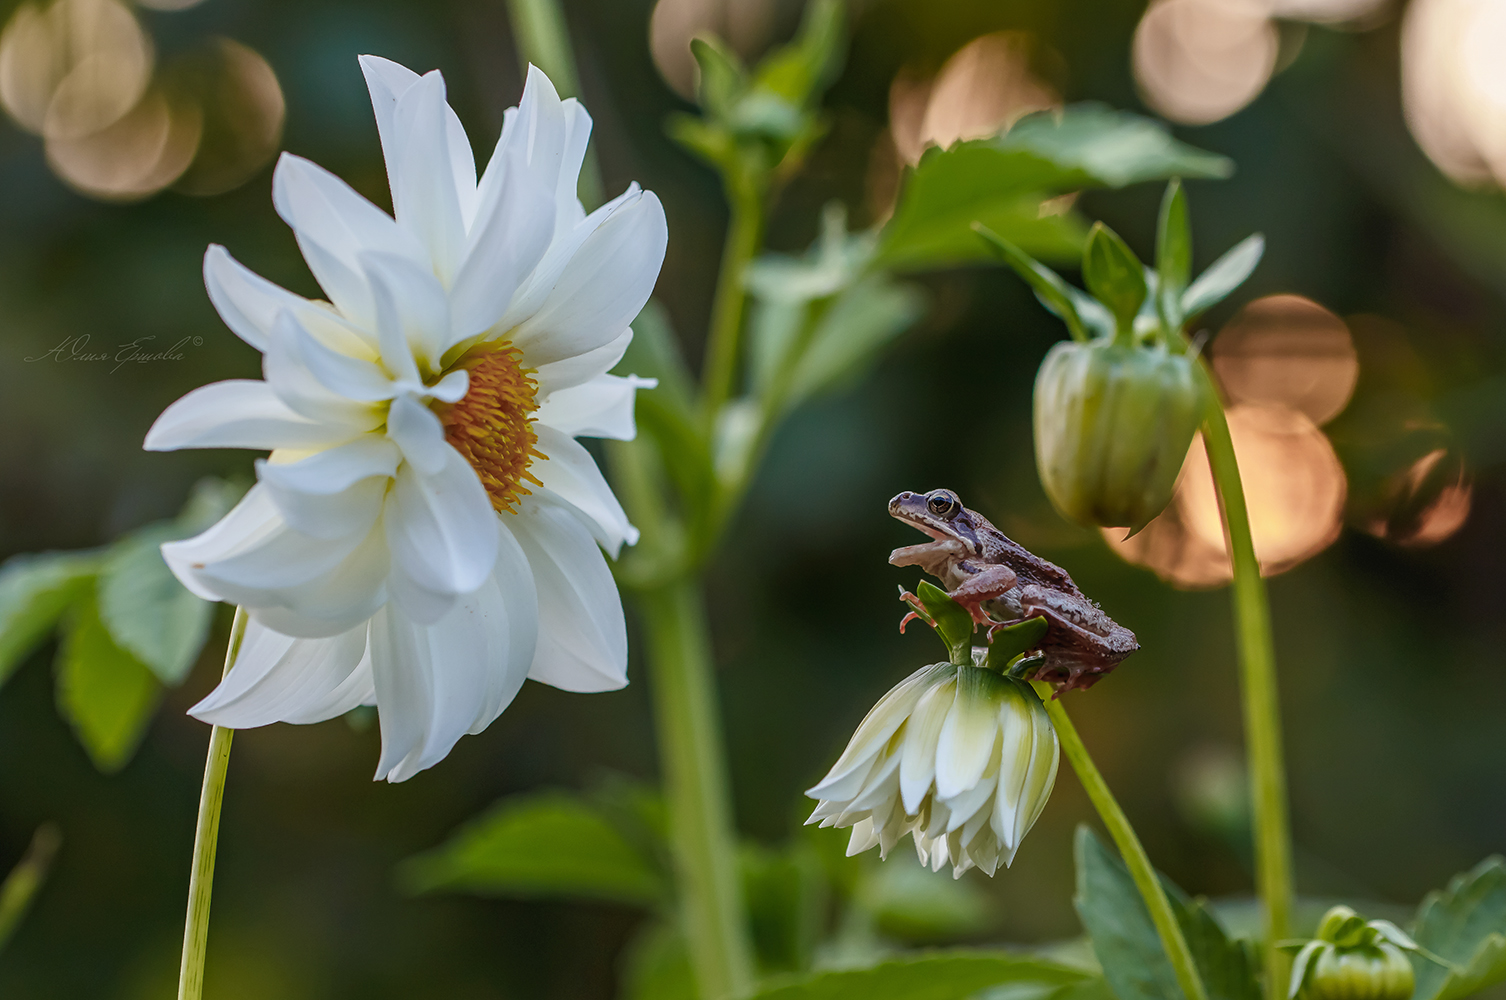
[[1000, 581]]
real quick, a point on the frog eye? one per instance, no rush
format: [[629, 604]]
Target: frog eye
[[943, 504]]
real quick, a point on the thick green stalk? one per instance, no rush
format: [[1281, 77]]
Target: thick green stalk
[[1257, 671], [542, 38], [1135, 858], [697, 789], [206, 840], [744, 231]]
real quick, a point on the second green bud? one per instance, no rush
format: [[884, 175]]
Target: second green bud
[[1112, 427]]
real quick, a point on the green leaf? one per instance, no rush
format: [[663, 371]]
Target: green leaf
[[953, 624], [539, 845], [934, 975], [1223, 276], [804, 68], [1055, 294], [35, 590], [721, 76], [1465, 924], [1001, 182], [912, 903], [785, 895], [1173, 255], [148, 612], [1013, 640], [656, 966], [104, 692], [1114, 275], [1109, 148], [210, 499], [1125, 939]]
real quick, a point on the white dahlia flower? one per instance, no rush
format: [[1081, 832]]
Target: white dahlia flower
[[961, 758], [426, 532]]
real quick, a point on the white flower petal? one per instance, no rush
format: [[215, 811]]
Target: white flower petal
[[606, 284], [386, 81], [568, 210], [876, 729], [335, 492], [424, 197], [354, 379], [419, 433], [918, 770], [240, 413], [334, 224], [602, 407], [533, 136], [438, 682], [441, 527], [568, 372], [510, 234], [571, 474], [277, 678], [582, 644], [412, 314], [247, 302], [287, 366], [967, 739]]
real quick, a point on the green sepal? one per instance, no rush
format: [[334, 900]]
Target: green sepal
[[1223, 276], [806, 66], [1115, 277], [1012, 642], [950, 620], [1173, 256], [722, 77], [1054, 293]]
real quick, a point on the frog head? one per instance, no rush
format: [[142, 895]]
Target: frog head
[[941, 515]]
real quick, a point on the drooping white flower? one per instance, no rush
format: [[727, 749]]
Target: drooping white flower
[[426, 531], [961, 758]]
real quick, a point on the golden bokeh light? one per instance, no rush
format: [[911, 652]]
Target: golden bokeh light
[[1430, 501], [74, 67], [1197, 61], [1454, 85], [744, 25], [985, 87], [1294, 488], [134, 157], [1286, 350], [243, 112]]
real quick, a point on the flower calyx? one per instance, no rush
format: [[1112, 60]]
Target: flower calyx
[[1355, 959], [1011, 649]]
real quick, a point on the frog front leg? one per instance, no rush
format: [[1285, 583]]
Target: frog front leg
[[983, 584]]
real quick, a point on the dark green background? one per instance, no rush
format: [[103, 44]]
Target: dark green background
[[1392, 673]]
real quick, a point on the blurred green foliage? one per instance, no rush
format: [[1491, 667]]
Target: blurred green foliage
[[1376, 643]]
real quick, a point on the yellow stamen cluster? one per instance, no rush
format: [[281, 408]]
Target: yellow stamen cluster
[[490, 426]]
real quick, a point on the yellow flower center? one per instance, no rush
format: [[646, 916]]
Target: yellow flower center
[[490, 426]]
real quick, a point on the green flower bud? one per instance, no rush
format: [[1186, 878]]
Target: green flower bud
[[1379, 972], [1112, 426]]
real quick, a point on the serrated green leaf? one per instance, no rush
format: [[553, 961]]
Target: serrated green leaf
[[1110, 148], [148, 612], [934, 975], [1127, 945], [35, 590], [1050, 288], [106, 694], [1465, 924], [1223, 276], [539, 845], [1114, 275]]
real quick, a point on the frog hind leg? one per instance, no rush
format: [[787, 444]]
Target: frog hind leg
[[988, 584]]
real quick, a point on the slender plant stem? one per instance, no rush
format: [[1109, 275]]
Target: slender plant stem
[[1257, 671], [696, 786], [1135, 858], [744, 231], [21, 885], [205, 841], [543, 39]]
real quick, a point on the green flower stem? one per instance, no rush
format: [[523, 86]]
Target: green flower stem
[[1135, 858], [744, 232], [21, 885], [697, 789], [542, 38], [205, 841], [1257, 665]]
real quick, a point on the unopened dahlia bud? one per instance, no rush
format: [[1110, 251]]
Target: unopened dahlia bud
[[1355, 959], [1112, 426], [960, 757]]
